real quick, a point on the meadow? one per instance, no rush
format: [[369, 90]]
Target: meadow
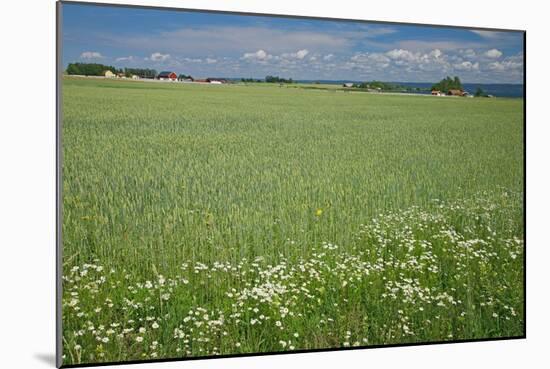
[[205, 220]]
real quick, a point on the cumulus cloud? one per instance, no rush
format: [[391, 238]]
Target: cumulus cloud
[[436, 53], [328, 57], [263, 56], [490, 35], [91, 55], [258, 55], [370, 57], [466, 66], [211, 60], [505, 65], [125, 58], [300, 54], [406, 64], [159, 57], [493, 53], [192, 60], [467, 53], [401, 54]]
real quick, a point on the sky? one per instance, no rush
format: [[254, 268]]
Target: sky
[[206, 44]]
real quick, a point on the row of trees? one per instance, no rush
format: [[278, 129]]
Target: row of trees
[[378, 85], [141, 72], [96, 69], [268, 79], [447, 84], [277, 79], [251, 80], [89, 69]]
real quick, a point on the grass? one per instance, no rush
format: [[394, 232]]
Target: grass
[[206, 214]]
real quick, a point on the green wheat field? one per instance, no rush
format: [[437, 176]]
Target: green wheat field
[[204, 220]]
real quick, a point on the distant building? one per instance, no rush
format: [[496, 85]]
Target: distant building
[[216, 81], [167, 76], [436, 93], [135, 76], [454, 92], [348, 84], [109, 74]]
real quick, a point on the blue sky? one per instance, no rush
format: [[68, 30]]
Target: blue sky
[[227, 45]]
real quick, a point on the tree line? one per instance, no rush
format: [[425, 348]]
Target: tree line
[[89, 69], [277, 79], [268, 79], [96, 69]]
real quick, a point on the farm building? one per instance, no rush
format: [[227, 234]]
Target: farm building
[[455, 92], [348, 84], [167, 76], [109, 74], [436, 93], [216, 81], [135, 76]]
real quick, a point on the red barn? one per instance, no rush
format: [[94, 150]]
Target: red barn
[[170, 76]]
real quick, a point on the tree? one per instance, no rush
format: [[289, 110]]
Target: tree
[[447, 84], [479, 92]]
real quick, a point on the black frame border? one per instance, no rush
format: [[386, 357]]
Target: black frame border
[[59, 159]]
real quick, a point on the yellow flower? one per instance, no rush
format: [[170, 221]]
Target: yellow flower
[[318, 212]]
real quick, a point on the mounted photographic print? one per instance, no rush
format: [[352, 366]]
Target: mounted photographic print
[[243, 184]]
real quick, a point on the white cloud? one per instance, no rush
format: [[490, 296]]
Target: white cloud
[[370, 58], [192, 60], [505, 65], [491, 35], [467, 53], [328, 57], [443, 45], [159, 57], [258, 55], [300, 54], [401, 54], [211, 60], [436, 53], [466, 66], [493, 53], [125, 58], [91, 55]]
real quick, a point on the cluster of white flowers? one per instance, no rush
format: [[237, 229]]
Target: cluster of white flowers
[[417, 264]]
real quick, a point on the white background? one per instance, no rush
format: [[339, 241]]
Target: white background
[[27, 182]]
